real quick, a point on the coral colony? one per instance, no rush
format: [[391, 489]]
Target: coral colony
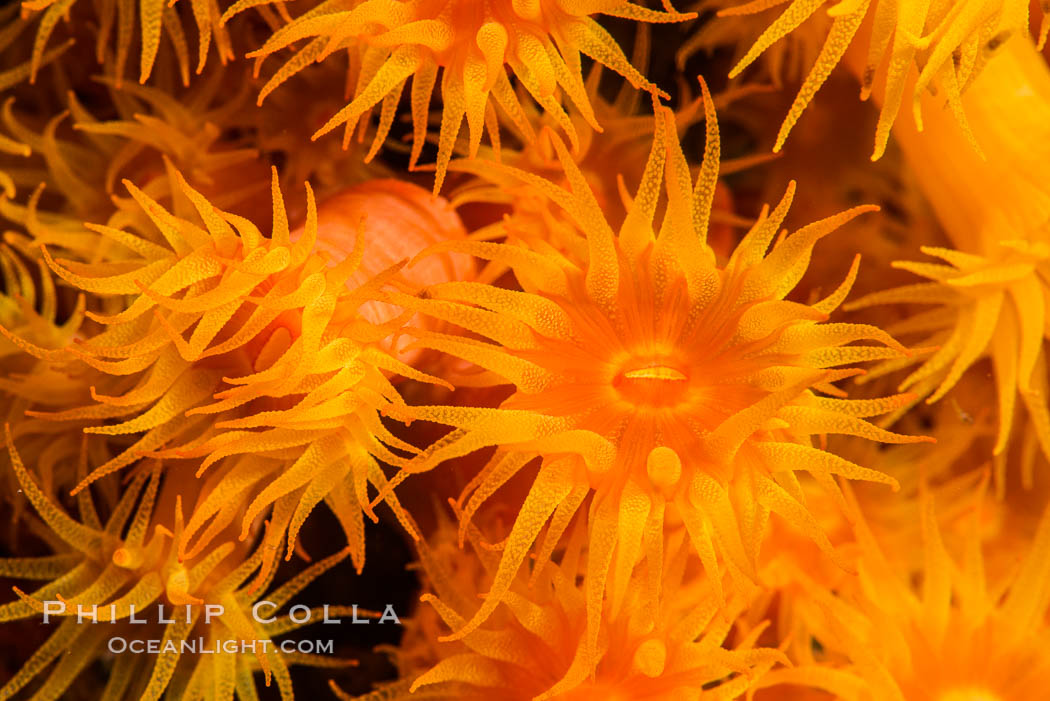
[[525, 349]]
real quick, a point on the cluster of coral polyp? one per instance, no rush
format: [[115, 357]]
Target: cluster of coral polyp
[[546, 381]]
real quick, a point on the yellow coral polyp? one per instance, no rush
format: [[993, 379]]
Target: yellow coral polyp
[[990, 288], [120, 15], [85, 169], [30, 309], [654, 380], [665, 643], [986, 307], [947, 44], [278, 362], [949, 631], [474, 43], [110, 573]]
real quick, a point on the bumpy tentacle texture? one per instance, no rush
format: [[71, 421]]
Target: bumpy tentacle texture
[[43, 380], [654, 380], [278, 364], [791, 568], [474, 43], [612, 161], [116, 21], [29, 310], [986, 307], [130, 568], [13, 26], [785, 62], [960, 634], [84, 170], [671, 642], [947, 43], [992, 287]]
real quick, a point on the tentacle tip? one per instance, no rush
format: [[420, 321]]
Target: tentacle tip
[[452, 637]]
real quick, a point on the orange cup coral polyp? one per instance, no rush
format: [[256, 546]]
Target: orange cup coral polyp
[[654, 380], [663, 645], [279, 360], [948, 44], [116, 20], [965, 634], [125, 574], [541, 41]]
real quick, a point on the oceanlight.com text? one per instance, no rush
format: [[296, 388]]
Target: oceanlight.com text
[[118, 645]]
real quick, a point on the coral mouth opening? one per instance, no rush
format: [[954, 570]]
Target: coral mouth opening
[[653, 384]]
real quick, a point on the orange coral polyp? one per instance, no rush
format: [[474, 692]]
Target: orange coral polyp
[[722, 449], [152, 14], [649, 356], [666, 646], [945, 631], [948, 44], [473, 42], [241, 344], [107, 574]]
